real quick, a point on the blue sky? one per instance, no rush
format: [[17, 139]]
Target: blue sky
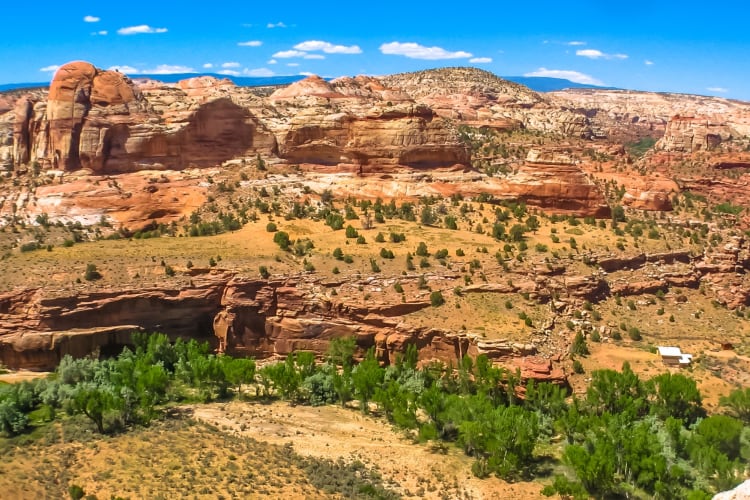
[[656, 45]]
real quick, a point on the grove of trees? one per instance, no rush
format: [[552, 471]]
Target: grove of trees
[[625, 438]]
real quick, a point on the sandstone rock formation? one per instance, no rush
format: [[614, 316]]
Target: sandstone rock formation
[[479, 98], [687, 134], [551, 179], [248, 317], [101, 121]]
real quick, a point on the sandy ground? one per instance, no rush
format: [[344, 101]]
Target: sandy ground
[[332, 432], [13, 377]]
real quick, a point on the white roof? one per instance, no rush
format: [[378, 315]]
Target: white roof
[[669, 351]]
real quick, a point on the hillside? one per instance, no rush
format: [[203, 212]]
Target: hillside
[[494, 178]]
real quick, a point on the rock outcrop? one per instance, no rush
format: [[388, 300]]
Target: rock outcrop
[[242, 316], [479, 98], [687, 134], [552, 180], [101, 121]]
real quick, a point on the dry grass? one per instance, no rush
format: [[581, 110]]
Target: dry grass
[[178, 458]]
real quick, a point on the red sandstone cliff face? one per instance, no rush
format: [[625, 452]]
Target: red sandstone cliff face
[[247, 317], [552, 180], [100, 120], [355, 121]]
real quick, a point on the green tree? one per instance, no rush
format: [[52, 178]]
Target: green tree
[[281, 238], [238, 371], [367, 376], [737, 404], [616, 392], [436, 298], [517, 232], [94, 401], [675, 395]]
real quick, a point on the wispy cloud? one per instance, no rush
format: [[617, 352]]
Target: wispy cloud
[[91, 19], [286, 54], [292, 65], [480, 60], [720, 90], [276, 25], [250, 43], [247, 72], [598, 54], [306, 73], [573, 76], [272, 61], [208, 65], [140, 30], [51, 68], [231, 64], [575, 43], [258, 72], [327, 47], [128, 70], [99, 33], [416, 51], [648, 63], [167, 69]]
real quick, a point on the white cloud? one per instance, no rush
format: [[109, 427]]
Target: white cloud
[[128, 70], [416, 51], [573, 76], [276, 25], [480, 60], [598, 54], [306, 73], [648, 63], [286, 54], [314, 56], [576, 42], [51, 68], [91, 19], [208, 65], [271, 61], [101, 33], [231, 65], [140, 29], [292, 65], [327, 47], [230, 72], [250, 43], [167, 69], [721, 90], [258, 72]]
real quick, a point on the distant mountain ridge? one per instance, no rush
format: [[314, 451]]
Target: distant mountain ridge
[[537, 84]]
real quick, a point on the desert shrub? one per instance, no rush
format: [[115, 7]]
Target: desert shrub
[[436, 299], [634, 333], [386, 254], [579, 347], [91, 273], [281, 238]]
